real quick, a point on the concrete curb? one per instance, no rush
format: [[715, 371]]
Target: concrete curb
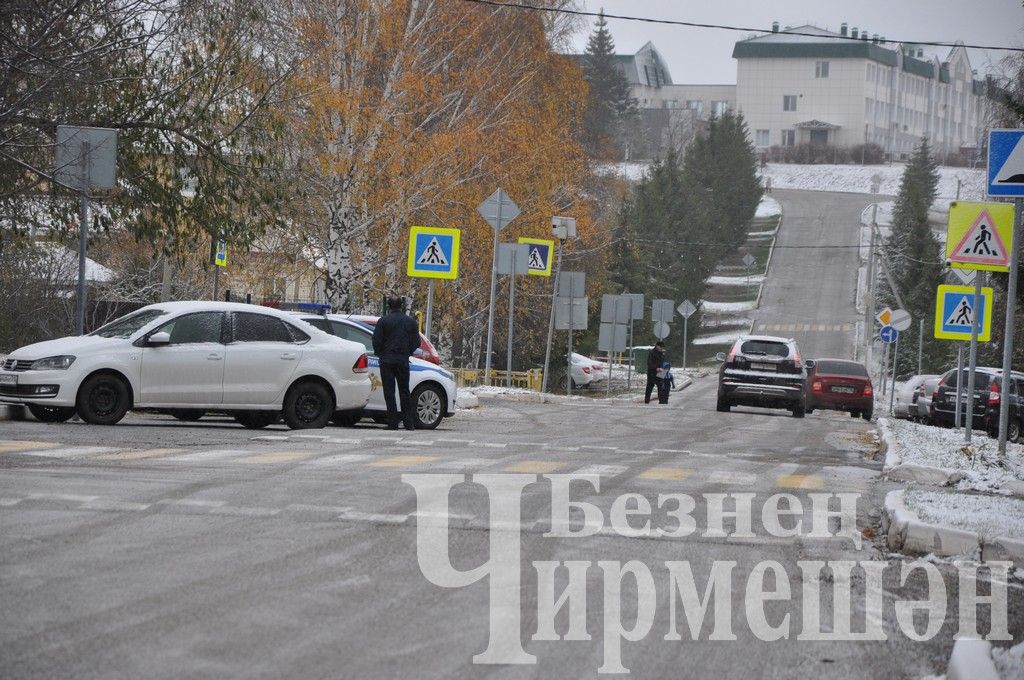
[[906, 532], [971, 660]]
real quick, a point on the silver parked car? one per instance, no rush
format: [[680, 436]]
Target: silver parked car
[[905, 406], [924, 398]]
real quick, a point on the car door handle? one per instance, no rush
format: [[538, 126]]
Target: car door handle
[[288, 356], [214, 357]]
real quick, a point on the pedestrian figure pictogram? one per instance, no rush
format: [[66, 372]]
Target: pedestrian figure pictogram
[[963, 316], [981, 241], [536, 261], [432, 254]]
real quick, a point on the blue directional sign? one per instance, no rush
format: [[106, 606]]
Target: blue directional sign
[[433, 253], [888, 334], [1006, 163]]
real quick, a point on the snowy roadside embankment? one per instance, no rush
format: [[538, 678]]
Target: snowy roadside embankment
[[768, 207], [861, 179], [933, 455]]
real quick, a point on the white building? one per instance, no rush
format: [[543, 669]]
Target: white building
[[846, 89]]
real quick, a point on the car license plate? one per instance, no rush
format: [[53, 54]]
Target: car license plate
[[844, 389], [762, 367], [8, 379]]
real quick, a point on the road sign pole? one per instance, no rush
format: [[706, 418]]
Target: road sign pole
[[1011, 299], [568, 357], [511, 316], [920, 344], [629, 354], [957, 420], [490, 309], [551, 320], [83, 237], [885, 368], [973, 360], [895, 362], [430, 308], [686, 323]]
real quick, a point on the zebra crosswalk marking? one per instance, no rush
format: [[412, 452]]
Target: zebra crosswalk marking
[[138, 454], [15, 446], [665, 474], [273, 457], [402, 461]]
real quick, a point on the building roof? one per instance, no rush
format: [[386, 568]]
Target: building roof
[[816, 125]]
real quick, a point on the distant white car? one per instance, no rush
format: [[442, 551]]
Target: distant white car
[[907, 395], [432, 388], [582, 371], [186, 358]]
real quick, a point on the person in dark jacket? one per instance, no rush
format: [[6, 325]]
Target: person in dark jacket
[[395, 337], [654, 361]]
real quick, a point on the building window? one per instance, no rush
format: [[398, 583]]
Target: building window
[[695, 105], [761, 138], [789, 138], [719, 108], [821, 69], [871, 72], [869, 107], [789, 102]]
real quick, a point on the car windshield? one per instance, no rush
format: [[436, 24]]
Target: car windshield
[[128, 325], [842, 368], [765, 348]]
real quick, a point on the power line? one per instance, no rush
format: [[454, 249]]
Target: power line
[[694, 24]]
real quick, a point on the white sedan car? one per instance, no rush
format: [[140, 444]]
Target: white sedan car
[[432, 388], [256, 363]]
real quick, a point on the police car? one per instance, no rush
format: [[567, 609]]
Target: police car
[[431, 386]]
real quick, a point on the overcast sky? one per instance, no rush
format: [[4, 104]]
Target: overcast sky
[[703, 55]]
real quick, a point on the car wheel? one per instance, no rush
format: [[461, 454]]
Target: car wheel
[[188, 415], [808, 411], [855, 414], [798, 411], [347, 418], [1013, 431], [103, 399], [723, 405], [51, 414], [256, 420], [866, 415], [308, 405], [429, 402]]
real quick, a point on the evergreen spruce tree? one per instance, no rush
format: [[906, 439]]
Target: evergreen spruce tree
[[915, 260], [610, 107]]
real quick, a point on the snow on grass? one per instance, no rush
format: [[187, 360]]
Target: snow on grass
[[988, 516], [735, 280], [930, 446], [723, 321], [768, 207], [725, 307], [860, 178], [719, 338], [1009, 662]]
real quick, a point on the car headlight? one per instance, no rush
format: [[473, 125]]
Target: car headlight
[[61, 363]]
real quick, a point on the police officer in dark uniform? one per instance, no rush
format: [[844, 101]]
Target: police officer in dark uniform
[[395, 337], [654, 361]]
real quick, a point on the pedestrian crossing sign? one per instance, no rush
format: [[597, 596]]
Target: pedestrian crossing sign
[[539, 262], [954, 313], [1006, 163], [433, 253], [980, 236]]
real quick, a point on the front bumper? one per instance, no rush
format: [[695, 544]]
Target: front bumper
[[52, 388]]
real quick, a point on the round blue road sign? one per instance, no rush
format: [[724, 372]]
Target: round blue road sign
[[888, 334]]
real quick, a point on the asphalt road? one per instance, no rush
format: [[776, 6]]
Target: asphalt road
[[810, 291], [160, 549]]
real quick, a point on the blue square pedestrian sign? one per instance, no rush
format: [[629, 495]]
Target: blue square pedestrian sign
[[954, 313], [539, 262], [433, 253], [1006, 163]]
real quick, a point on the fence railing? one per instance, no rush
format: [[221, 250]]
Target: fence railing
[[473, 377]]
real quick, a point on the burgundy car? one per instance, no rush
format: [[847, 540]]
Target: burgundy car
[[840, 385]]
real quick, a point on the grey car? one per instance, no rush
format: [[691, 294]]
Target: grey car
[[924, 399], [905, 406]]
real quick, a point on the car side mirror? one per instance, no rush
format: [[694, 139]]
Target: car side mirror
[[720, 356], [810, 363], [157, 339]]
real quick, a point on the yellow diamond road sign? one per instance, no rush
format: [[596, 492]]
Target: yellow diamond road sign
[[433, 253], [884, 316], [980, 236]]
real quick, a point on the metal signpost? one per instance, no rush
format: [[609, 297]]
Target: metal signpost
[[636, 313], [86, 160], [498, 209], [571, 313], [433, 254], [615, 321], [900, 320], [889, 335], [749, 261], [513, 260], [219, 259], [562, 228], [1006, 178], [686, 310]]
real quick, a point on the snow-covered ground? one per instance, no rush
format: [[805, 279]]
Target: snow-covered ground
[[988, 516], [1010, 661], [736, 280], [936, 447], [719, 338], [768, 207], [727, 307]]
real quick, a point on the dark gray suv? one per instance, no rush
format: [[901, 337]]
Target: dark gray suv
[[762, 370]]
